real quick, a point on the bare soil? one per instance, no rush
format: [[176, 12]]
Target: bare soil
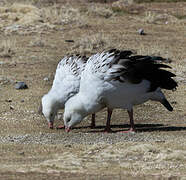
[[34, 37]]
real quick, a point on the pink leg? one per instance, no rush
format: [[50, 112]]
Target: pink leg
[[93, 124], [107, 128], [132, 128], [50, 125], [67, 130]]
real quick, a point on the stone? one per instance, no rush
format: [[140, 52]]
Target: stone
[[21, 85], [46, 79], [8, 100], [141, 32], [21, 153], [11, 107]]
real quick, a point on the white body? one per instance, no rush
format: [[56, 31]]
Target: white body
[[65, 85], [99, 90]]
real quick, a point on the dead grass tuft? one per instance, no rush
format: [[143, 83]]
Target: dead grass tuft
[[37, 42], [20, 14], [126, 7], [7, 48], [63, 15], [158, 18], [100, 11], [92, 43]]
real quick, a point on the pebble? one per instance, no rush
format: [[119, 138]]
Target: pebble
[[141, 32], [21, 85], [46, 79], [8, 100], [21, 153], [69, 40], [11, 107]]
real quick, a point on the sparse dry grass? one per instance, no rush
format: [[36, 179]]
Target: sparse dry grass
[[63, 15], [126, 7], [7, 48], [20, 14], [37, 42], [157, 18], [92, 43], [99, 11]]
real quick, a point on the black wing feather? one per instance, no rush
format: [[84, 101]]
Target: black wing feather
[[139, 67]]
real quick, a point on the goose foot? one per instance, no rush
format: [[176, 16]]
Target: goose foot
[[60, 127], [131, 130], [107, 130]]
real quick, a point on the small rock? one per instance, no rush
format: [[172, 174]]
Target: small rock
[[8, 100], [68, 145], [22, 100], [22, 153], [21, 85], [174, 102], [11, 107], [69, 40], [46, 79], [141, 32]]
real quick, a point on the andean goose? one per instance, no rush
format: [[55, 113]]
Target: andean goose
[[118, 79], [65, 85]]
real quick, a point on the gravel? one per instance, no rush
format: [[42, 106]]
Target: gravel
[[87, 138]]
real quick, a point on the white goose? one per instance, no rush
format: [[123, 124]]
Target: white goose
[[118, 79], [65, 85]]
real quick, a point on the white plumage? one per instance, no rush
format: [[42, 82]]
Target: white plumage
[[116, 79], [65, 85]]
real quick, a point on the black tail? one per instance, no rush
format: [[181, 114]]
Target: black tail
[[149, 67], [167, 104]]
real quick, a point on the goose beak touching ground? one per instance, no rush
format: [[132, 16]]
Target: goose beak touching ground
[[40, 111], [65, 85], [51, 125]]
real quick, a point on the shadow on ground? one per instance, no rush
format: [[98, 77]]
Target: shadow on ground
[[139, 128]]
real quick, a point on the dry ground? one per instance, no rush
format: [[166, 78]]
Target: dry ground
[[33, 39]]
